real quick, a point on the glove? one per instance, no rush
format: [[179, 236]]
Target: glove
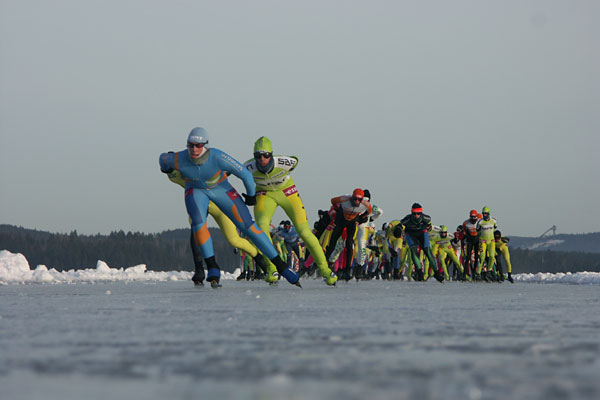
[[397, 231], [249, 200], [362, 218]]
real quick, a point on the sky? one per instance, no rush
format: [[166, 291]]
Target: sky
[[455, 105]]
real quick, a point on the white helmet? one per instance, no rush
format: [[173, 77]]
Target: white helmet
[[198, 135]]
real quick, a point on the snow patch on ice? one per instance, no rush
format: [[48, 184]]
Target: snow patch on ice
[[14, 268], [577, 278]]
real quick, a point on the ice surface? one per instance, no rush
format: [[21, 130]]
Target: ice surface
[[165, 339]]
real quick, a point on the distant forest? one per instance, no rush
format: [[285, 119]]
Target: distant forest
[[167, 251], [170, 250]]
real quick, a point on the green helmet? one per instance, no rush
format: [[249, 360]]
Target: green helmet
[[485, 209], [263, 145], [444, 228]]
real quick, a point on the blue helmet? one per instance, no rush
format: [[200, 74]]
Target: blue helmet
[[198, 135]]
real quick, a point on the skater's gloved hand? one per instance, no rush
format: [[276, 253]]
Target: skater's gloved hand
[[362, 218], [249, 200], [397, 231]]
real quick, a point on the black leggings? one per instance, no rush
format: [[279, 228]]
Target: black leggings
[[292, 247], [340, 224], [472, 246]]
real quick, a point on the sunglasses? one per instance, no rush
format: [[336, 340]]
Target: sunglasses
[[357, 199], [264, 155], [417, 214], [192, 145]]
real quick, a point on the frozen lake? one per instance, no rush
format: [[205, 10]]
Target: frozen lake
[[247, 340]]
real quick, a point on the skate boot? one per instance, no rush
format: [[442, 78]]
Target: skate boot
[[330, 276], [198, 277], [241, 277], [358, 273], [347, 274], [271, 277], [510, 278], [258, 275], [214, 275], [438, 276], [289, 274]]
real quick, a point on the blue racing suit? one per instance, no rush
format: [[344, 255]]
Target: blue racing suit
[[206, 180]]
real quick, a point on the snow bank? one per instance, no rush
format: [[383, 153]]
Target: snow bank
[[14, 268], [575, 278]]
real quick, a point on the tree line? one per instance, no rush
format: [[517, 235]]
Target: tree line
[[170, 250], [167, 251]]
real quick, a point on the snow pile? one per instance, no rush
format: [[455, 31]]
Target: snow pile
[[14, 268], [576, 278]]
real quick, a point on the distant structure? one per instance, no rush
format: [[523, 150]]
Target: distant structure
[[546, 234]]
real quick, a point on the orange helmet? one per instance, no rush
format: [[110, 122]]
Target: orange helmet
[[473, 213], [358, 194]]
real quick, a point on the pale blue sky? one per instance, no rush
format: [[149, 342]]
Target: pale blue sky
[[454, 104]]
